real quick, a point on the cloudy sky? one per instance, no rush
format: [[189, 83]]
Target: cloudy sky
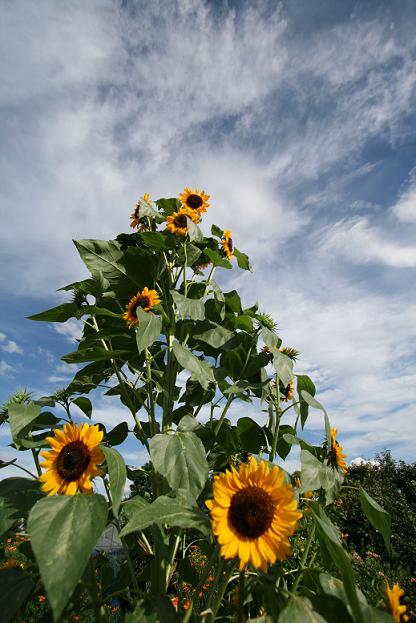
[[298, 118]]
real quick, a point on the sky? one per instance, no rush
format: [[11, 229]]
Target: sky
[[298, 118]]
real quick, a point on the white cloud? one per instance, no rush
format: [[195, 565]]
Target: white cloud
[[71, 329], [12, 347], [357, 241], [6, 369], [405, 208]]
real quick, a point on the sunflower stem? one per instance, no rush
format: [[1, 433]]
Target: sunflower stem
[[94, 595], [241, 596], [123, 389], [208, 282], [25, 470], [278, 418], [185, 283], [36, 460], [303, 559]]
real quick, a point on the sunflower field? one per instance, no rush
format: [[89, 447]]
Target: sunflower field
[[215, 528]]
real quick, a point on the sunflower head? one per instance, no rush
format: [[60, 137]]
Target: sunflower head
[[337, 457], [73, 460], [397, 610], [177, 222], [227, 244], [253, 513], [146, 299], [287, 392], [266, 320], [194, 200], [138, 221]]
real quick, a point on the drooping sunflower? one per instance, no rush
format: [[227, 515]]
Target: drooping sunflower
[[397, 610], [146, 299], [337, 455], [253, 513], [73, 460], [227, 244], [177, 222], [136, 219], [194, 200]]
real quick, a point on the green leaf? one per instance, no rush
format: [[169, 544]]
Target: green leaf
[[154, 608], [200, 370], [170, 511], [330, 536], [299, 610], [194, 232], [216, 259], [84, 404], [304, 383], [233, 301], [118, 434], [61, 313], [22, 418], [216, 231], [148, 329], [269, 338], [311, 400], [146, 210], [93, 310], [15, 588], [181, 459], [93, 354], [242, 259], [103, 259], [168, 206], [188, 424], [316, 475], [377, 516], [17, 496], [188, 308], [154, 240], [117, 475], [251, 435], [283, 366], [243, 322], [64, 530], [216, 337]]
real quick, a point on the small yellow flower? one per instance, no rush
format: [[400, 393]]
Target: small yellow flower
[[253, 513], [337, 455], [227, 244], [397, 610], [194, 200], [136, 219], [146, 299], [177, 222], [73, 460]]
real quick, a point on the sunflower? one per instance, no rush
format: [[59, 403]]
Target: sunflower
[[177, 222], [136, 220], [397, 611], [253, 513], [336, 452], [146, 299], [227, 244], [73, 460], [287, 392], [194, 200]]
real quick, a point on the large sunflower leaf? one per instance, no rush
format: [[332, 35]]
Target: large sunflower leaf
[[300, 610], [148, 329], [64, 531], [377, 516], [117, 474], [170, 511], [192, 308], [200, 370], [15, 588], [283, 366], [181, 459], [21, 418], [61, 313]]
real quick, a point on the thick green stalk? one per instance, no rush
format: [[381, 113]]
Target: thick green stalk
[[221, 593], [278, 418]]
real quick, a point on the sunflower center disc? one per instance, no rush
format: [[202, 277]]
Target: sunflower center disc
[[73, 460], [194, 202], [141, 302], [180, 221], [251, 512]]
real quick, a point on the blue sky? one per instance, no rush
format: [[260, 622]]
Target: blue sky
[[297, 118]]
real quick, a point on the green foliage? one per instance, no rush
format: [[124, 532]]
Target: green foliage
[[182, 369]]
